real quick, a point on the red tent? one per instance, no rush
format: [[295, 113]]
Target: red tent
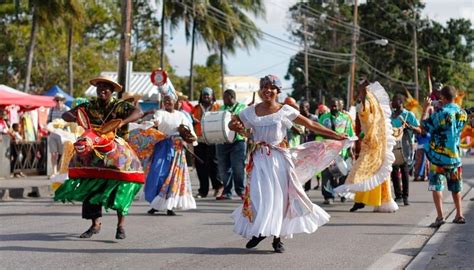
[[10, 96]]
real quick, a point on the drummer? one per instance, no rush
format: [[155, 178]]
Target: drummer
[[402, 118], [206, 152], [231, 156], [341, 123]]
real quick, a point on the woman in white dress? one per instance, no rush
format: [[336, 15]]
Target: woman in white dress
[[275, 203], [168, 184]]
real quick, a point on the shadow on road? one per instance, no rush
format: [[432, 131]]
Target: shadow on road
[[54, 237], [171, 250]]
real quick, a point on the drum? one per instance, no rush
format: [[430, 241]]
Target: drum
[[215, 128], [338, 167], [404, 149]]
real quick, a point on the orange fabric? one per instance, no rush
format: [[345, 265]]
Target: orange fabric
[[197, 114]]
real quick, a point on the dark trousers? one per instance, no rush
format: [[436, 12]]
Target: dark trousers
[[231, 157], [329, 182], [207, 169], [91, 211], [401, 189]]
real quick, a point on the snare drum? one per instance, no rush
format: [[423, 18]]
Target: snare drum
[[215, 128], [339, 167]]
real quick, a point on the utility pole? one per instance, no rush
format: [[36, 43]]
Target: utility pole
[[415, 54], [162, 57], [355, 37], [126, 10], [306, 74]]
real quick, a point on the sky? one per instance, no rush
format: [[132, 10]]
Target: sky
[[269, 58]]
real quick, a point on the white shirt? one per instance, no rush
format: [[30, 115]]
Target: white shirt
[[168, 123]]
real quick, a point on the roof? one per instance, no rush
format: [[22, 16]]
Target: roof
[[11, 96], [242, 83], [55, 90], [140, 83]]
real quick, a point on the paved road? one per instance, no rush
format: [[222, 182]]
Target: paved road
[[41, 234]]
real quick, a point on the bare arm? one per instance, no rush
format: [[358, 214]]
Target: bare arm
[[69, 116], [318, 128], [136, 114]]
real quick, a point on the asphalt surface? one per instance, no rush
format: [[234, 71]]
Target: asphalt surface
[[37, 233]]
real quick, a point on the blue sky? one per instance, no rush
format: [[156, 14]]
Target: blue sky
[[269, 58]]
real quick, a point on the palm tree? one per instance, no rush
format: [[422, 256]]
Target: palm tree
[[44, 12], [221, 25], [233, 28], [73, 12]]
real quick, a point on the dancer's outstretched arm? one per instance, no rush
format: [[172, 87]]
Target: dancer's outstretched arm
[[319, 129]]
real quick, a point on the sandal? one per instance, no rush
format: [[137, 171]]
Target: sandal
[[459, 220], [438, 222]]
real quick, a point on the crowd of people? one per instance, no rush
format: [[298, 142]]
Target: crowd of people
[[279, 148]]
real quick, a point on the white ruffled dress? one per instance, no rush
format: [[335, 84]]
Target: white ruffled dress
[[279, 206]]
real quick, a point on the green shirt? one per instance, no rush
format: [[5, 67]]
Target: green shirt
[[234, 110], [341, 123], [114, 109]]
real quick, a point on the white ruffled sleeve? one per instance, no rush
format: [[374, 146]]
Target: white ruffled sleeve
[[288, 115], [245, 116]]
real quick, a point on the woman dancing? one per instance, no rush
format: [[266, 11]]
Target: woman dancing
[[275, 203], [168, 184]]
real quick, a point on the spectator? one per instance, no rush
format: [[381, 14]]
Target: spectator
[[16, 156], [55, 144]]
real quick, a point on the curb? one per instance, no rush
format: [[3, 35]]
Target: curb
[[412, 245], [9, 193], [431, 247]]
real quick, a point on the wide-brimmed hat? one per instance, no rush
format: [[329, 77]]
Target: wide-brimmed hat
[[127, 96], [181, 96], [105, 79], [59, 96]]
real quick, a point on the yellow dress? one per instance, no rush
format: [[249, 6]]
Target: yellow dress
[[370, 175]]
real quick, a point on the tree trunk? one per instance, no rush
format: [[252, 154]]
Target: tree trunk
[[191, 69], [126, 11], [31, 47], [221, 48], [70, 73]]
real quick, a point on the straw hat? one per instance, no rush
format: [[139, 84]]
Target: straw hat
[[59, 96], [105, 79], [127, 96], [181, 96]]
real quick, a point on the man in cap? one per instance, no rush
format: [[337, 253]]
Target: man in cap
[[55, 145], [231, 156], [206, 152]]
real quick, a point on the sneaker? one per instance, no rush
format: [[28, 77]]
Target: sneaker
[[200, 196], [328, 201], [218, 192], [254, 241], [170, 213], [120, 234], [223, 197], [405, 201]]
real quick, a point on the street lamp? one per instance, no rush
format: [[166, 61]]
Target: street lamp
[[350, 92], [306, 81], [381, 42]]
